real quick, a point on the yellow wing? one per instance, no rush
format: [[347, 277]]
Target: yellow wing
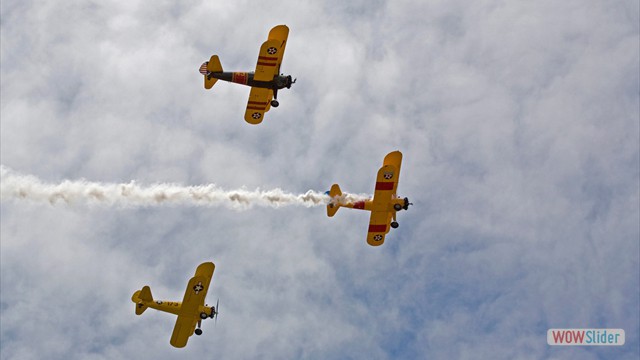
[[280, 33], [394, 159], [267, 65], [193, 298], [386, 184], [258, 104], [381, 208], [378, 227], [183, 330], [271, 52]]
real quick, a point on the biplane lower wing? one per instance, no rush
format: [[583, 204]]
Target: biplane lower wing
[[183, 329], [258, 104]]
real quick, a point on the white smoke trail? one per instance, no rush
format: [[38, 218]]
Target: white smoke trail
[[16, 186]]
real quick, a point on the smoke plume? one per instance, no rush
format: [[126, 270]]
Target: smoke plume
[[24, 187]]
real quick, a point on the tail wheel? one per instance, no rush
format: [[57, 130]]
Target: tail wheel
[[394, 224], [198, 332]]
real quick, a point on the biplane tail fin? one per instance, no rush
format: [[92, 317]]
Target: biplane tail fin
[[141, 298], [333, 205], [208, 68]]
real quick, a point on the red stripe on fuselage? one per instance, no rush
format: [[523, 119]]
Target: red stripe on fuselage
[[358, 205], [378, 228], [380, 185], [240, 78]]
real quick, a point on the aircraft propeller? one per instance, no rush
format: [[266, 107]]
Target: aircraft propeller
[[214, 313], [406, 204]]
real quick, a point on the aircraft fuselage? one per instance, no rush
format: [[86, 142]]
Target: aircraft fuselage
[[175, 307], [394, 205], [246, 78]]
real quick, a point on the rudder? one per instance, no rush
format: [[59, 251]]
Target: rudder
[[141, 297], [213, 66], [333, 206]]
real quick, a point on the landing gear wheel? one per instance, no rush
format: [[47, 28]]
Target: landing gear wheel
[[397, 207], [203, 316], [275, 103], [198, 332], [394, 225]]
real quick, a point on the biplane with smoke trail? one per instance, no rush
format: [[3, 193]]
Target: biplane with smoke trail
[[191, 311], [264, 82], [383, 206]]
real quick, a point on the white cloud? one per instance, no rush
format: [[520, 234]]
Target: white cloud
[[519, 127]]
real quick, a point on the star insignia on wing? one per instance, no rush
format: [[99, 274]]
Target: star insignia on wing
[[198, 287]]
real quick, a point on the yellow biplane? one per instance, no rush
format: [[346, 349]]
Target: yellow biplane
[[385, 202], [191, 311], [265, 81]]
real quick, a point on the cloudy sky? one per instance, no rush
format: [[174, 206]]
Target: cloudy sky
[[519, 125]]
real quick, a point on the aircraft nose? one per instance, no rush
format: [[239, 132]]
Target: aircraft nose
[[406, 203]]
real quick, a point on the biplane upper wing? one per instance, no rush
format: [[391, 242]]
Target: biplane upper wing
[[385, 190], [394, 159], [271, 52], [280, 33], [193, 298], [258, 104], [267, 65]]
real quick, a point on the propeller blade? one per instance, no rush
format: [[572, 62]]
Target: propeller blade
[[215, 320]]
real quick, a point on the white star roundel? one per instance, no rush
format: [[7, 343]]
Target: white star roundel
[[377, 237], [256, 115], [388, 175], [198, 287], [272, 51]]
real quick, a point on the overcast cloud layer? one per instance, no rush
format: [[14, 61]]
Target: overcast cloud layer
[[519, 125]]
